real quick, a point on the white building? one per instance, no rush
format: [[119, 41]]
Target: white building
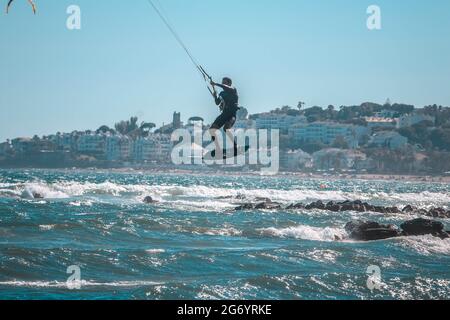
[[328, 132], [245, 124], [387, 114], [388, 139], [380, 122], [118, 148], [64, 141], [155, 148], [92, 144], [281, 122], [412, 119]]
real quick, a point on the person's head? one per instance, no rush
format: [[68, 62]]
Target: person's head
[[227, 81]]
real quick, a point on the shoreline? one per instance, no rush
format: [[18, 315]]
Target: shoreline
[[299, 175]]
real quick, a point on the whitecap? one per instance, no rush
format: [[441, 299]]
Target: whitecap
[[155, 251], [47, 227], [306, 233], [426, 245]]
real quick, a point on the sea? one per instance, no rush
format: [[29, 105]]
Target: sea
[[89, 235]]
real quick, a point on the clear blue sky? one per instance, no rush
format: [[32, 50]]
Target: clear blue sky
[[124, 62]]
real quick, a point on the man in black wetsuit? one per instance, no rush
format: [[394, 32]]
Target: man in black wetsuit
[[228, 101]]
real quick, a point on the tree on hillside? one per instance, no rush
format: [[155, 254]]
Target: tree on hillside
[[128, 126], [146, 128], [441, 139], [105, 129], [340, 143]]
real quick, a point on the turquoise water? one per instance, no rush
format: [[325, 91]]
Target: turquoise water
[[192, 245]]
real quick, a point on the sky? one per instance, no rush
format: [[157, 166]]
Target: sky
[[124, 62]]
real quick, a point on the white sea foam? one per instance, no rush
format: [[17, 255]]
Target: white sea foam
[[45, 190], [426, 245], [46, 227], [306, 233], [155, 251], [212, 197], [414, 198], [87, 203], [226, 232]]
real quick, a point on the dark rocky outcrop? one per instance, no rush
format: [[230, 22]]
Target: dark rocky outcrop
[[370, 231], [438, 213], [295, 206], [267, 204], [409, 209], [37, 195], [246, 206], [419, 227], [316, 205], [357, 205], [149, 200]]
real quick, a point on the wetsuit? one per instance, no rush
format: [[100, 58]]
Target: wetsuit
[[228, 99]]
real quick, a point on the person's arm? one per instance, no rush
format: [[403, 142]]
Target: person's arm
[[218, 100], [222, 86]]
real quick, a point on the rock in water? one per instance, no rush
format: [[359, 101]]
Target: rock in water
[[149, 200], [37, 195], [296, 206], [369, 231], [266, 205], [316, 205], [438, 213], [409, 209], [420, 227], [245, 206]]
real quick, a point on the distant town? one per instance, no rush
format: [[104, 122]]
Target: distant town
[[369, 138]]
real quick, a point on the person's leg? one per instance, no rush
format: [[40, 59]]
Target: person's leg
[[227, 127], [218, 123], [214, 138]]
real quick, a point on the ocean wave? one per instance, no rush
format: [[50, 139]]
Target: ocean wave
[[426, 245], [43, 190], [155, 251], [306, 233], [225, 232], [82, 283], [414, 198], [47, 227], [202, 196]]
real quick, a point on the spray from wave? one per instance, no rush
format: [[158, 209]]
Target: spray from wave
[[69, 189], [306, 233]]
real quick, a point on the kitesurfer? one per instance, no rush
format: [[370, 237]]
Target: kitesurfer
[[228, 101], [30, 1]]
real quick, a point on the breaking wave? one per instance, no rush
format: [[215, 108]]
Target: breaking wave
[[218, 196], [426, 245], [306, 233]]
